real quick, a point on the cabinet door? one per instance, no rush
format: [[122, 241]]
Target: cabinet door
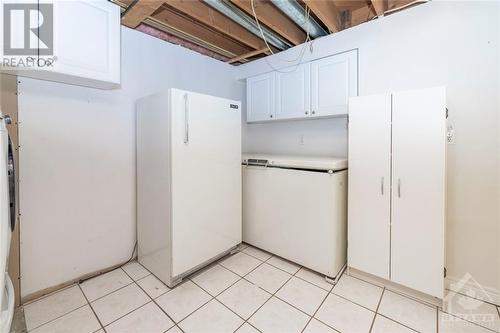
[[418, 182], [334, 80], [87, 52], [260, 97], [369, 184], [293, 87]]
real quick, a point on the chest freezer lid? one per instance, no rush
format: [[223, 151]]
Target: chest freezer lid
[[298, 162]]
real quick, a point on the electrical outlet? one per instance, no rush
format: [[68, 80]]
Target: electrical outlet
[[450, 135]]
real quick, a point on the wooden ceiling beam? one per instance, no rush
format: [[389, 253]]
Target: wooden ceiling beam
[[379, 6], [158, 32], [273, 18], [205, 14], [246, 55], [361, 15], [199, 32], [139, 10], [327, 12]]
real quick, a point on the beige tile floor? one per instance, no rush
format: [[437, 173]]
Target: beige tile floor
[[250, 291]]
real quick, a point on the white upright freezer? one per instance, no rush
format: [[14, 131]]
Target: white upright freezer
[[295, 207], [188, 181]]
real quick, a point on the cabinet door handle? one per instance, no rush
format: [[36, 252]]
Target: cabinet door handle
[[307, 112], [382, 186], [313, 112], [186, 119], [399, 188]]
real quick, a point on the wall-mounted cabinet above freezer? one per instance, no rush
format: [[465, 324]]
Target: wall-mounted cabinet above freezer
[[75, 42], [320, 88]]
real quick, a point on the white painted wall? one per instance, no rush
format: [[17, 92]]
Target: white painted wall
[[451, 43], [77, 159]]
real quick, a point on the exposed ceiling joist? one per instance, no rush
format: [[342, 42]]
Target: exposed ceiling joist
[[226, 29], [200, 32], [273, 18], [350, 4], [361, 15], [138, 11], [327, 12], [246, 55], [161, 32], [294, 10], [205, 14], [379, 6]]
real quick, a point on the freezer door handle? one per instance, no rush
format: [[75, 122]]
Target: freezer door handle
[[186, 119]]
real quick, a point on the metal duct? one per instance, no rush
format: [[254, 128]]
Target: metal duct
[[296, 13], [247, 22]]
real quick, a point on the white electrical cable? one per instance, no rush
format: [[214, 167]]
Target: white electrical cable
[[302, 51]]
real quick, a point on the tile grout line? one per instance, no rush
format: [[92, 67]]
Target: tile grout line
[[151, 298], [54, 319], [315, 312], [239, 279], [272, 295], [50, 294], [437, 320], [377, 313], [411, 298], [351, 301], [332, 293], [478, 299], [376, 310], [468, 321], [243, 278], [91, 308], [98, 298]]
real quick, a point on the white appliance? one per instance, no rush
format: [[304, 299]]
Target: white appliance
[[7, 220], [188, 181], [295, 207], [397, 187]]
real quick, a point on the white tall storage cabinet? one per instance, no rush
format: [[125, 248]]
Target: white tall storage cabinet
[[397, 187], [188, 181]]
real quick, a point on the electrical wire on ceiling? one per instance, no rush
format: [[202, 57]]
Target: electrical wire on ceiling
[[299, 58], [307, 10]]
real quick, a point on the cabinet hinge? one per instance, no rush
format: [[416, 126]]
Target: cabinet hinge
[[445, 272], [446, 112]]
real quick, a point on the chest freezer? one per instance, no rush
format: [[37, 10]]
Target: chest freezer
[[296, 207]]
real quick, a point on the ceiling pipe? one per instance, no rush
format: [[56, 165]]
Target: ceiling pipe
[[297, 14], [248, 22]]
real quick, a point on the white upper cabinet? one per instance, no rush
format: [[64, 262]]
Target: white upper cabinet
[[293, 92], [80, 39], [260, 92], [334, 80], [92, 53], [320, 88]]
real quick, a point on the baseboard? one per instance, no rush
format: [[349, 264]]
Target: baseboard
[[461, 285], [50, 290], [395, 287]]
